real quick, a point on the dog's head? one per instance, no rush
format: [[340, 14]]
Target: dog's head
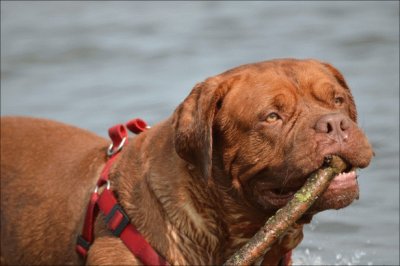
[[263, 128]]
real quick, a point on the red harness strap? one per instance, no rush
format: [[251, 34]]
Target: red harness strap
[[115, 217]]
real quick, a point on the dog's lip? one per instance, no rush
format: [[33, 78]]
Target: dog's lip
[[344, 180], [279, 199], [279, 196], [272, 195]]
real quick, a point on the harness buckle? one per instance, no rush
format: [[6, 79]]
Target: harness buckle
[[96, 189], [117, 220], [111, 151]]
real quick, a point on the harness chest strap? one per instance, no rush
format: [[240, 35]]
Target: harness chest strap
[[115, 217], [118, 222]]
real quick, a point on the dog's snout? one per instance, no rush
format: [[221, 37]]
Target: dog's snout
[[335, 125]]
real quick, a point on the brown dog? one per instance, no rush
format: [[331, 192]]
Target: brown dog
[[198, 185]]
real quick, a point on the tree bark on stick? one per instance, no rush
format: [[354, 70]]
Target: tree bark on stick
[[285, 217]]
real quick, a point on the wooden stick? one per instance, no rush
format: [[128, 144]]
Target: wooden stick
[[285, 217]]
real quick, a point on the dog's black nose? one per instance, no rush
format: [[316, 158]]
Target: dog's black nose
[[335, 125]]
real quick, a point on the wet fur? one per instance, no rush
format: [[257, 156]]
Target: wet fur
[[181, 183]]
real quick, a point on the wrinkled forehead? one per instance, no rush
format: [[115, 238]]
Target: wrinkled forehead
[[282, 83]]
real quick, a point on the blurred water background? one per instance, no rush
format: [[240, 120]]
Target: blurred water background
[[94, 64]]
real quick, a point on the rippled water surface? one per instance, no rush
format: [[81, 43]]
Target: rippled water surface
[[93, 64]]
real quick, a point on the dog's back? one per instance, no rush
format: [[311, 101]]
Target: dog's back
[[47, 169]]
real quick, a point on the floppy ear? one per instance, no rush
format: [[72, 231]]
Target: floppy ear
[[340, 79], [193, 122]]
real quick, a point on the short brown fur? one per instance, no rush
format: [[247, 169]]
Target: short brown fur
[[191, 184]]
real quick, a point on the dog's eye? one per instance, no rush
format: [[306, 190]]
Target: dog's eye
[[339, 101], [272, 117]]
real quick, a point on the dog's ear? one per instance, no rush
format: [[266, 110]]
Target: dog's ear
[[340, 79], [193, 122]]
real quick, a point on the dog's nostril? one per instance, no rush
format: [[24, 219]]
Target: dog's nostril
[[329, 127], [332, 124]]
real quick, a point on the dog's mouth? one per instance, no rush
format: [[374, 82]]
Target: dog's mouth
[[342, 191]]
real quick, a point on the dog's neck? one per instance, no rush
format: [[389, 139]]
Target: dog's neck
[[188, 220]]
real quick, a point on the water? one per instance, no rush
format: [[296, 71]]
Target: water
[[93, 64]]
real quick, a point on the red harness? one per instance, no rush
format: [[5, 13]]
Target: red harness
[[115, 217]]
